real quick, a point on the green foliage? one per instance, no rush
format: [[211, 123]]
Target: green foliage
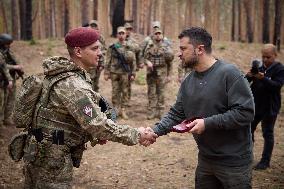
[[33, 42], [222, 47], [140, 78]]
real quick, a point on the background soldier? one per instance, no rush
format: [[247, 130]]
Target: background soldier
[[158, 58], [120, 68], [183, 71], [15, 71], [6, 81], [132, 42], [70, 117], [95, 72]]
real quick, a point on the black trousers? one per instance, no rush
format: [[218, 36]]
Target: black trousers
[[267, 127]]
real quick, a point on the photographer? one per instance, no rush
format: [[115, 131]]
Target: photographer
[[267, 80]]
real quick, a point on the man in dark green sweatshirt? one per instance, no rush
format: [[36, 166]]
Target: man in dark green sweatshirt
[[219, 97]]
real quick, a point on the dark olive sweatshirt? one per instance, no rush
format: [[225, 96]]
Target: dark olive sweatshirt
[[222, 96]]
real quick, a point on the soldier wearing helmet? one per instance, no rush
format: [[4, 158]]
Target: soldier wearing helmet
[[15, 71]]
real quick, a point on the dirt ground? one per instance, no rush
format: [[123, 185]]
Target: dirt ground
[[170, 162]]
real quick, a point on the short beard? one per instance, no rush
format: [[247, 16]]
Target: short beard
[[193, 62]]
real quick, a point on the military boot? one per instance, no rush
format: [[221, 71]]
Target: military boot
[[151, 114], [159, 114], [123, 114]]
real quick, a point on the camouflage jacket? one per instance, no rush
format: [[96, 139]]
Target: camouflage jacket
[[183, 71], [112, 62], [4, 72], [160, 55], [10, 60], [131, 41], [145, 43], [73, 106]]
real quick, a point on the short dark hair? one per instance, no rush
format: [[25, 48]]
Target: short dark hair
[[198, 36]]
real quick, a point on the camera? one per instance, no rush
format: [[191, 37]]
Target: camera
[[255, 65]]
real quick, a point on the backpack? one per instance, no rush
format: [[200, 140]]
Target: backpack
[[29, 95], [25, 108]]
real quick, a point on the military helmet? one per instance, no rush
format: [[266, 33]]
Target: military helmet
[[5, 39]]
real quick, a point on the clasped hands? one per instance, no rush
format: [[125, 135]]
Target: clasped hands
[[147, 136]]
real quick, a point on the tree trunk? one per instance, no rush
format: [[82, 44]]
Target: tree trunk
[[277, 24], [135, 15], [249, 23], [52, 17], [22, 4], [118, 16], [149, 16], [240, 20], [66, 17], [207, 15], [84, 11], [3, 15], [95, 15], [233, 20], [28, 17], [15, 19], [265, 27], [215, 20]]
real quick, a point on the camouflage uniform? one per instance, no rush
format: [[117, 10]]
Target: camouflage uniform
[[183, 71], [4, 78], [70, 106], [95, 72], [161, 56], [119, 76], [10, 95], [132, 42]]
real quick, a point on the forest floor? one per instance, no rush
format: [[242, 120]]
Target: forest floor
[[170, 162]]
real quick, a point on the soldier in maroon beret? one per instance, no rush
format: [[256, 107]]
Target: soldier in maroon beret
[[70, 114]]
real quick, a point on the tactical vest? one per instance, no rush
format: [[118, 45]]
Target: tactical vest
[[156, 55], [9, 60], [50, 122]]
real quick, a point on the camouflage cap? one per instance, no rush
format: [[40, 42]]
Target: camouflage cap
[[128, 26], [81, 37], [93, 23], [121, 29], [157, 30], [156, 24]]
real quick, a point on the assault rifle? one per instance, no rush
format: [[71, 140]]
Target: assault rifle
[[121, 60]]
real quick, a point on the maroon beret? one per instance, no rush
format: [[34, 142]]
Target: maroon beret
[[81, 37]]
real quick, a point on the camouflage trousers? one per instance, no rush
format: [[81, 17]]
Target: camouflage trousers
[[52, 168], [10, 97], [95, 76], [129, 91], [119, 89], [2, 107], [156, 90], [7, 100]]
